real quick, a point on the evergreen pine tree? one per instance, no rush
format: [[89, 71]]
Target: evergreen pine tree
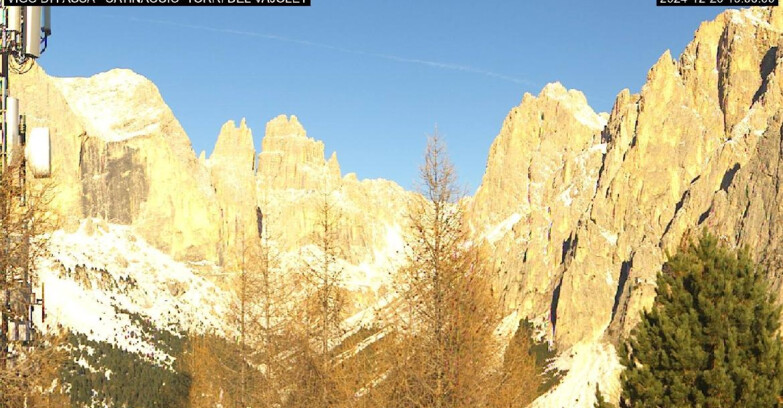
[[710, 339]]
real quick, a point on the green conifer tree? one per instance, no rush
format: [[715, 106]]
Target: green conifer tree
[[711, 337]]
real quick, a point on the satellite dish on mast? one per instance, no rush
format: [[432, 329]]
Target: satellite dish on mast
[[38, 150]]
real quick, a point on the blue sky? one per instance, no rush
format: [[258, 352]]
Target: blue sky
[[373, 78]]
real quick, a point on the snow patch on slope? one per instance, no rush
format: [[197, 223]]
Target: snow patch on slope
[[376, 272], [754, 15], [609, 236], [498, 231], [587, 364], [370, 274], [576, 103], [565, 196], [508, 326]]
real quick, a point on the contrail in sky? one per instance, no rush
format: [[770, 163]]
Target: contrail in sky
[[432, 64]]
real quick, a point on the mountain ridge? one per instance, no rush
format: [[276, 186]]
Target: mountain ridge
[[578, 208]]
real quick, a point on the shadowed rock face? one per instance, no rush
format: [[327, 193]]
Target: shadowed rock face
[[114, 183]]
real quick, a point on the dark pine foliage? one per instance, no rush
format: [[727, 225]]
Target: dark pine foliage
[[132, 381], [710, 339]]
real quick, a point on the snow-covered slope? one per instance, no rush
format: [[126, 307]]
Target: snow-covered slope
[[106, 283], [585, 365]]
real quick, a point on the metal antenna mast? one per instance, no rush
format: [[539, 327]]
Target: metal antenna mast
[[24, 32]]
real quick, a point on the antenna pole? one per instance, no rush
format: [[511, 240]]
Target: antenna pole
[[22, 33], [5, 308]]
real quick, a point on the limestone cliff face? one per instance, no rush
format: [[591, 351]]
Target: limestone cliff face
[[45, 106], [699, 146], [290, 159], [232, 170], [293, 179], [704, 125], [120, 154], [145, 161], [540, 178]]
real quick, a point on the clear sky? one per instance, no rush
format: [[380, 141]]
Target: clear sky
[[373, 78]]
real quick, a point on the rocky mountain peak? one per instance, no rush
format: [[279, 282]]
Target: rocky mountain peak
[[675, 150], [232, 172], [121, 155], [665, 67], [575, 102], [283, 126], [333, 165], [290, 159], [766, 17], [588, 203], [115, 105], [541, 176], [235, 144], [536, 138]]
